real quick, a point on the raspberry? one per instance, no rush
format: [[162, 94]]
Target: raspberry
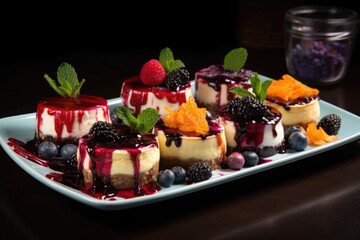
[[152, 73]]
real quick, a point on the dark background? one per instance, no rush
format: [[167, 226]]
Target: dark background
[[31, 31]]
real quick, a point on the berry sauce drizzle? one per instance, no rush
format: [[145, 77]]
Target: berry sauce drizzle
[[72, 177], [66, 111], [135, 94], [216, 76]]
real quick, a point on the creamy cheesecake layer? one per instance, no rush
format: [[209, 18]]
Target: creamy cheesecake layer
[[64, 119], [136, 96], [184, 149], [123, 167], [297, 114]]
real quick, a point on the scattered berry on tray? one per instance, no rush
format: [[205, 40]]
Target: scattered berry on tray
[[251, 158], [331, 124], [180, 174], [199, 172], [166, 178], [235, 161]]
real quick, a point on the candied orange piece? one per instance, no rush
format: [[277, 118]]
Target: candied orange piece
[[289, 89], [317, 136], [189, 118]]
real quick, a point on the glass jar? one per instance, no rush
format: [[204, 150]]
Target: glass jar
[[318, 43]]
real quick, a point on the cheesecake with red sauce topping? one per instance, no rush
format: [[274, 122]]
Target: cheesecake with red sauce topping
[[68, 117], [137, 96], [162, 83]]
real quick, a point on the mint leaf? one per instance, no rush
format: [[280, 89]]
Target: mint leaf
[[126, 116], [67, 84], [259, 88], [240, 91], [264, 86], [175, 65], [166, 58], [142, 123], [235, 59], [147, 119]]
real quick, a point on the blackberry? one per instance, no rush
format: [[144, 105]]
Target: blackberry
[[199, 171], [177, 79], [245, 109], [104, 132], [330, 123]]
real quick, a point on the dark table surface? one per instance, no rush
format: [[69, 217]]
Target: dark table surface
[[315, 198]]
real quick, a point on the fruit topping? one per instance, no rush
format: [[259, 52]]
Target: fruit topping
[[189, 118], [177, 79], [199, 172], [152, 73], [68, 80], [103, 132], [331, 124], [72, 161], [317, 136], [245, 109], [288, 89]]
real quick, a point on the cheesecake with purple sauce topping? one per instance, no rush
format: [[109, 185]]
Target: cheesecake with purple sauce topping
[[212, 83]]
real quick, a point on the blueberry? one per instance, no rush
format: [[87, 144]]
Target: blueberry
[[235, 161], [298, 141], [290, 130], [166, 178], [180, 174], [47, 149], [67, 150], [251, 158]]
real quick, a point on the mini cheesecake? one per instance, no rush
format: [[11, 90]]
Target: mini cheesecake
[[61, 119], [179, 148], [212, 86], [137, 96], [187, 136], [130, 163], [298, 103], [264, 136]]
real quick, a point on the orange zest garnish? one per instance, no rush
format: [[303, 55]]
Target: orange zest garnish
[[189, 118], [317, 136], [289, 89]]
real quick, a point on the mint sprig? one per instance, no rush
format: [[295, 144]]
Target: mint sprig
[[143, 123], [259, 89], [67, 84], [166, 58], [235, 59]]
